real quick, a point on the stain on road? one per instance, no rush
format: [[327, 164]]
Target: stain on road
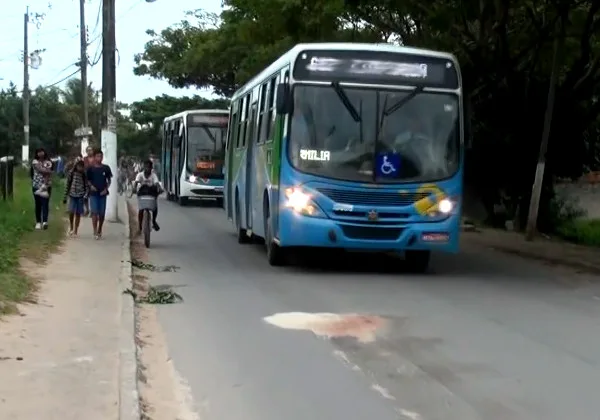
[[364, 328]]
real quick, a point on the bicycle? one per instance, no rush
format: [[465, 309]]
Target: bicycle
[[130, 188], [147, 204]]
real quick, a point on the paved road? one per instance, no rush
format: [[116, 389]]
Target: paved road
[[487, 337]]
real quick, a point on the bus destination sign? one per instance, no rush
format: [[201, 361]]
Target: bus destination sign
[[208, 119], [375, 67]]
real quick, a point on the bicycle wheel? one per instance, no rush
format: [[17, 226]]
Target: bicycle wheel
[[147, 228]]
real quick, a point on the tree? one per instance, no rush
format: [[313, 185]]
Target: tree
[[504, 48], [54, 115]]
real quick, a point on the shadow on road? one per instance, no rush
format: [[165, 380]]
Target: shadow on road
[[477, 264]]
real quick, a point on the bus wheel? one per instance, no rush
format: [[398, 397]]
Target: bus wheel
[[417, 261], [220, 202], [182, 201], [242, 236], [275, 254]]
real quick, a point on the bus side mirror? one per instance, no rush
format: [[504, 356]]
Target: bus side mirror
[[283, 101]]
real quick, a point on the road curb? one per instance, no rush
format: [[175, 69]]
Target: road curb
[[129, 401], [577, 265], [551, 257]]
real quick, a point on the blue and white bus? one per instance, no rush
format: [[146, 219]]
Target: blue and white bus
[[193, 151], [354, 146]]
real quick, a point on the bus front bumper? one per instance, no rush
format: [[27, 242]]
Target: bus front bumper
[[203, 191], [298, 230]]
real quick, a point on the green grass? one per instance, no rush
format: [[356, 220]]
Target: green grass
[[19, 239], [581, 231]]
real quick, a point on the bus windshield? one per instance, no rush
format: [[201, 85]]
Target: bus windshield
[[378, 136], [206, 148]]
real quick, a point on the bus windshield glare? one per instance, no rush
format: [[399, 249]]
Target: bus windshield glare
[[206, 147], [367, 135]]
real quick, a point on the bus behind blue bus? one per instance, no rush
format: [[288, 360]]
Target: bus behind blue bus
[[353, 146], [192, 155]]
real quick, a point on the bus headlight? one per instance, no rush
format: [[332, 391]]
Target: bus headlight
[[192, 179], [301, 203], [445, 206]]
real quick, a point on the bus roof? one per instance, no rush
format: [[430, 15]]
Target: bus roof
[[195, 111], [289, 57]]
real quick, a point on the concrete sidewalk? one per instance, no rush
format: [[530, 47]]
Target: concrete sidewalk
[[543, 249], [61, 358]]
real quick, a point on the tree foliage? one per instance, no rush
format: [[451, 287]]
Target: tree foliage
[[54, 115], [504, 47]]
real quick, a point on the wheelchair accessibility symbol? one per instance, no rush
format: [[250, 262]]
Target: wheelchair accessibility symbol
[[388, 164], [387, 167]]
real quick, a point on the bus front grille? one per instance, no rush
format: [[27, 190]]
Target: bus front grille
[[373, 198], [372, 233]]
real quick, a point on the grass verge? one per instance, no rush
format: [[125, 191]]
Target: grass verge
[[581, 231], [18, 239]]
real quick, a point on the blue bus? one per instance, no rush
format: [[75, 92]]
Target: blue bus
[[347, 145], [192, 155]]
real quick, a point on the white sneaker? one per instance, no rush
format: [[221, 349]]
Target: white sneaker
[[38, 226], [45, 225]]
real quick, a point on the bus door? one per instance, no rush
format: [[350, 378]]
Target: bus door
[[166, 157], [181, 140], [175, 151], [251, 144], [228, 189]]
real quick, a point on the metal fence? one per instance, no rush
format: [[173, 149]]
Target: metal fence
[[6, 177]]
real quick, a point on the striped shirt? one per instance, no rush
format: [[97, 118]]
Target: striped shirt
[[76, 185]]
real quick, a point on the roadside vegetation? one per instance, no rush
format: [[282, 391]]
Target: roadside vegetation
[[18, 239], [581, 231]]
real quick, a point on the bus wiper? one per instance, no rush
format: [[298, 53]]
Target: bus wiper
[[395, 107], [210, 135], [402, 102], [346, 101]]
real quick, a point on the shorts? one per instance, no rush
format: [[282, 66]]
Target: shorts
[[98, 205], [76, 205]]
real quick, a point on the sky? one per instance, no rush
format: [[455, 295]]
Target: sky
[[58, 34]]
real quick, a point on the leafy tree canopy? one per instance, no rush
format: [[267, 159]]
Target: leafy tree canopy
[[54, 115], [505, 49]]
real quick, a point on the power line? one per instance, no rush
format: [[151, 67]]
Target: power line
[[61, 80], [98, 15]]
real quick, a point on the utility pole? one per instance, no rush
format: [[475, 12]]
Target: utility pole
[[85, 130], [109, 121], [25, 147], [536, 191]]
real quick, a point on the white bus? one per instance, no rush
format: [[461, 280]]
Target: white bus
[[192, 155]]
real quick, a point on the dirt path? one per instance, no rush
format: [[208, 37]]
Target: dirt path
[[59, 358]]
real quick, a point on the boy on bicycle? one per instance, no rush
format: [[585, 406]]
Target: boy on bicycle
[[149, 185]]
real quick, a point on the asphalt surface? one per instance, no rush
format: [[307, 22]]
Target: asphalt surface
[[484, 336]]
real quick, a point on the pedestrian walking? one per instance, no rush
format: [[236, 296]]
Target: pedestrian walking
[[99, 177], [76, 193], [88, 161], [41, 176]]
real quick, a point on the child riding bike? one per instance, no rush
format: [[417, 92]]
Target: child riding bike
[[149, 185]]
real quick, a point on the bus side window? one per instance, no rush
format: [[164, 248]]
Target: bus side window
[[271, 108], [176, 138], [247, 125], [242, 126], [232, 129], [262, 124]]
